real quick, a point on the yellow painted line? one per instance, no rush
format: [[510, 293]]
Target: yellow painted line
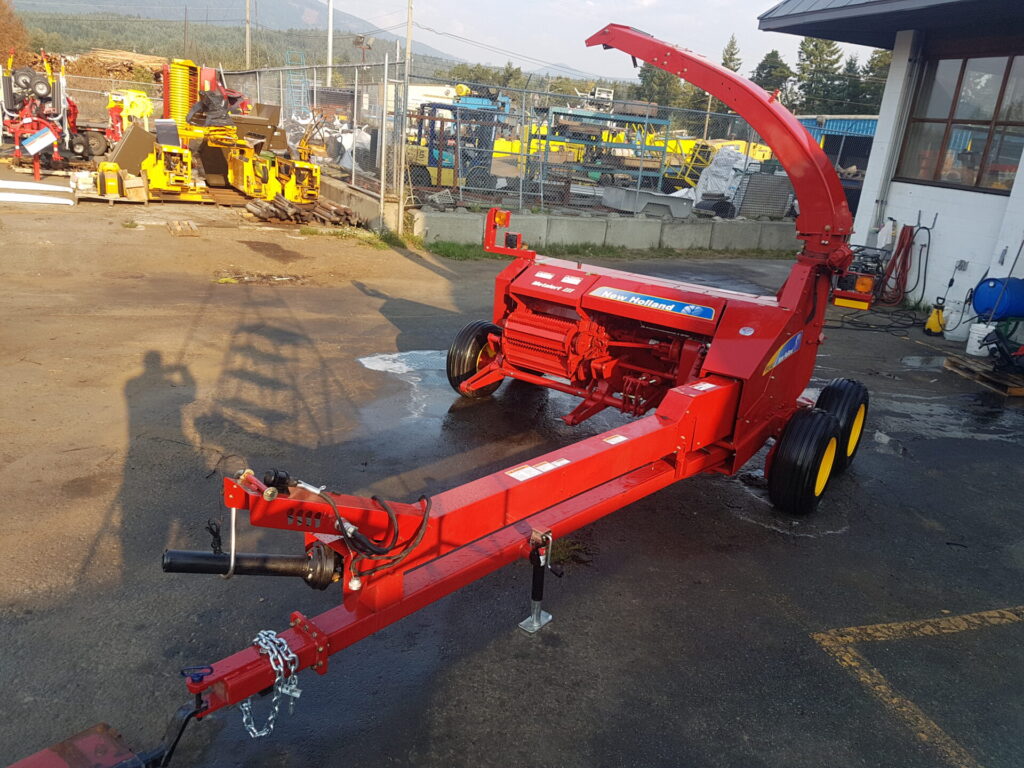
[[839, 643], [944, 625]]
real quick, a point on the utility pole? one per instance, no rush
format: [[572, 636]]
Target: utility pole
[[404, 121], [330, 41], [248, 34], [184, 42]]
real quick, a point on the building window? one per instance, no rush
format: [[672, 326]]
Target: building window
[[967, 127]]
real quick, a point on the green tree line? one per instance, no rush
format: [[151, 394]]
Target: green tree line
[[821, 83], [209, 44]]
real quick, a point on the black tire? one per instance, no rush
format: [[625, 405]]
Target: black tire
[[40, 86], [22, 78], [804, 462], [79, 145], [420, 176], [98, 144], [465, 356], [847, 400]]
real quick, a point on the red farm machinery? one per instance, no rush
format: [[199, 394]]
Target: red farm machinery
[[710, 375]]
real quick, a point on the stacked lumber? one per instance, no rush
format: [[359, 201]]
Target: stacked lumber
[[119, 65], [321, 212]]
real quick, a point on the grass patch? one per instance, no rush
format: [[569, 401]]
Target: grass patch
[[130, 224], [391, 239], [587, 251], [380, 240], [460, 251]]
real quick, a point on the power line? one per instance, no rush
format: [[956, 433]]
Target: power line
[[513, 54], [46, 3], [119, 19]]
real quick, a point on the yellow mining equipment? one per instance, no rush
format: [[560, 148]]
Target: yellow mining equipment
[[232, 162], [181, 90], [299, 180], [253, 175], [168, 171]]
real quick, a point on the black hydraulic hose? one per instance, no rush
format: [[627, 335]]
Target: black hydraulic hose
[[356, 539], [923, 255], [407, 549], [392, 518]]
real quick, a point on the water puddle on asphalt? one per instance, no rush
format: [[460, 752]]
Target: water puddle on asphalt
[[423, 370], [924, 362]]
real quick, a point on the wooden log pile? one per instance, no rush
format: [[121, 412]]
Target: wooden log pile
[[321, 212]]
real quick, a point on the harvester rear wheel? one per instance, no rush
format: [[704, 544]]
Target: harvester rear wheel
[[803, 461], [847, 400], [471, 351]]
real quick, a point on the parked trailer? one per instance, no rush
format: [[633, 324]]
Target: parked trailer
[[711, 376]]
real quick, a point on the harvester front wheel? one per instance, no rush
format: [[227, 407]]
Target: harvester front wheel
[[847, 400], [803, 461], [471, 351]]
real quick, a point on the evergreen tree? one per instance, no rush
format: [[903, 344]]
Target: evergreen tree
[[508, 76], [730, 60], [852, 88], [731, 55], [772, 73], [659, 86], [817, 69], [873, 80]]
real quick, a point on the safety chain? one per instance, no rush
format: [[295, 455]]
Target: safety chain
[[285, 664]]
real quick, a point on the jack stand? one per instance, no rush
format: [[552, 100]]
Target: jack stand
[[540, 557]]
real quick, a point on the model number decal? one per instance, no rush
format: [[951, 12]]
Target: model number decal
[[553, 287], [655, 302], [786, 350]]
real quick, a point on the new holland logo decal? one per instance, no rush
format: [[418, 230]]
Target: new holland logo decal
[[786, 350], [655, 302]]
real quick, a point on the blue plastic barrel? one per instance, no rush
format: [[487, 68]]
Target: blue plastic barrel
[[1007, 301]]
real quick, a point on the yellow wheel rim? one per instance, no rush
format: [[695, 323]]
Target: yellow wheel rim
[[484, 357], [855, 429], [825, 467]]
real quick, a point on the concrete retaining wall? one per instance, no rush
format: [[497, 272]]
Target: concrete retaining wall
[[366, 206], [540, 230]]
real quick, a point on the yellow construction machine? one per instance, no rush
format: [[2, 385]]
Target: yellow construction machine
[[168, 172], [204, 110]]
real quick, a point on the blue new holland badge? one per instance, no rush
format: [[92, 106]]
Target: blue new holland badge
[[655, 302], [786, 350]]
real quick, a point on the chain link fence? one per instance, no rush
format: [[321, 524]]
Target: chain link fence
[[348, 112], [91, 94], [446, 144], [475, 145]]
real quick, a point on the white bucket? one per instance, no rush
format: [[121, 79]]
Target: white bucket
[[957, 320], [978, 332]]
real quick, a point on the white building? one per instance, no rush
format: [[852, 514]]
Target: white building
[[951, 127]]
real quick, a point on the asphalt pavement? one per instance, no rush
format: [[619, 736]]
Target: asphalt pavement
[[693, 628]]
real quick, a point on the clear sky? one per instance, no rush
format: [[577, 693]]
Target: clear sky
[[554, 30]]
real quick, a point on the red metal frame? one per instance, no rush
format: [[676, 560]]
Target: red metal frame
[[31, 119], [825, 221], [721, 371]]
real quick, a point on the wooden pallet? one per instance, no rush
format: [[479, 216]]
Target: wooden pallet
[[979, 369], [183, 228]]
